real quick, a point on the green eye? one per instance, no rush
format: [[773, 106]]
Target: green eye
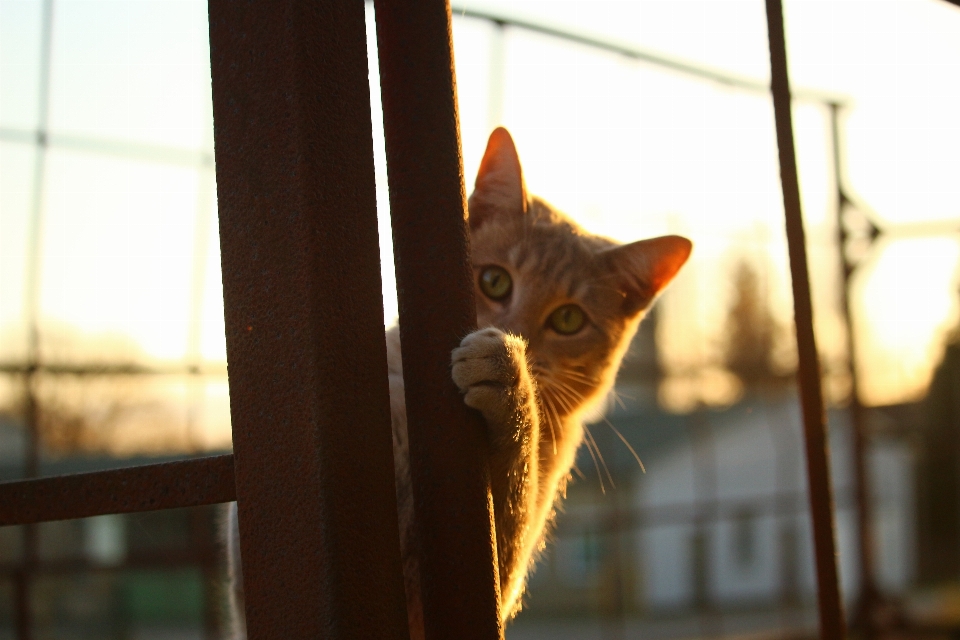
[[495, 283], [567, 319]]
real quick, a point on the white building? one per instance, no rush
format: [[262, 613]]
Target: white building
[[746, 466], [720, 520]]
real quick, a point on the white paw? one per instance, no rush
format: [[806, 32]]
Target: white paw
[[487, 367]]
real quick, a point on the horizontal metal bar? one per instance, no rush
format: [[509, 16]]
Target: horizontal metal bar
[[900, 231], [612, 45], [112, 369], [110, 147], [170, 485], [571, 525]]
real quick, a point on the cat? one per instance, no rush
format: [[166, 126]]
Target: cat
[[556, 310]]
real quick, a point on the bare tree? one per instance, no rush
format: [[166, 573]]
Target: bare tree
[[751, 329]]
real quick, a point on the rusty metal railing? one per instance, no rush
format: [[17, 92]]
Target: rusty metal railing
[[832, 625], [307, 363]]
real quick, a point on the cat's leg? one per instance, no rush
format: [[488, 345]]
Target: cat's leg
[[236, 623], [490, 368]]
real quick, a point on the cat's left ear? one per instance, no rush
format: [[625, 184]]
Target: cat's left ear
[[499, 189], [644, 268]]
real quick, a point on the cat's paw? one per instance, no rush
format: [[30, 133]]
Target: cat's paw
[[490, 369]]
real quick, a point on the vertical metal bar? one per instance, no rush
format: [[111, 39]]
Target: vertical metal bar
[[32, 275], [705, 480], [23, 577], [785, 462], [613, 528], [23, 627], [304, 321], [451, 484], [832, 626], [868, 582], [204, 556]]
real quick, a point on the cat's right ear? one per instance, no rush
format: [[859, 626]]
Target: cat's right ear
[[499, 189]]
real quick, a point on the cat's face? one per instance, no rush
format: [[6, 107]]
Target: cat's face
[[575, 297]]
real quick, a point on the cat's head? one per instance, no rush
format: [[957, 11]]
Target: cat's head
[[575, 297]]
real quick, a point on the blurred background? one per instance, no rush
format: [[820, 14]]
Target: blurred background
[[638, 119]]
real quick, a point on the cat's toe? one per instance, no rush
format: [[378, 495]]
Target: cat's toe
[[482, 342], [486, 399], [487, 357]]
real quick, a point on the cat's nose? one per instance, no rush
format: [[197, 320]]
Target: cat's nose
[[511, 321]]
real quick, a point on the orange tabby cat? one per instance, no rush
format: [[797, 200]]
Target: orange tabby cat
[[556, 307]]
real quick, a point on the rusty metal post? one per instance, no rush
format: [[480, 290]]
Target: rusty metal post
[[451, 483], [832, 626], [304, 321]]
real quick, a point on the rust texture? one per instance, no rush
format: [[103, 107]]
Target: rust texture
[[185, 483], [435, 283], [832, 625], [306, 352]]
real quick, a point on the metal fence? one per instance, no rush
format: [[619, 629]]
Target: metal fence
[[317, 499]]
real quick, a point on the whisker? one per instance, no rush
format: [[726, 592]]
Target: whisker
[[577, 471], [571, 385], [565, 402], [600, 455], [603, 489], [574, 399], [560, 382], [573, 374], [572, 391], [618, 399], [624, 440], [547, 382], [566, 379], [562, 400], [545, 401]]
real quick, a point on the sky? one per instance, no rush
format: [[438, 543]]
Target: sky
[[129, 262]]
